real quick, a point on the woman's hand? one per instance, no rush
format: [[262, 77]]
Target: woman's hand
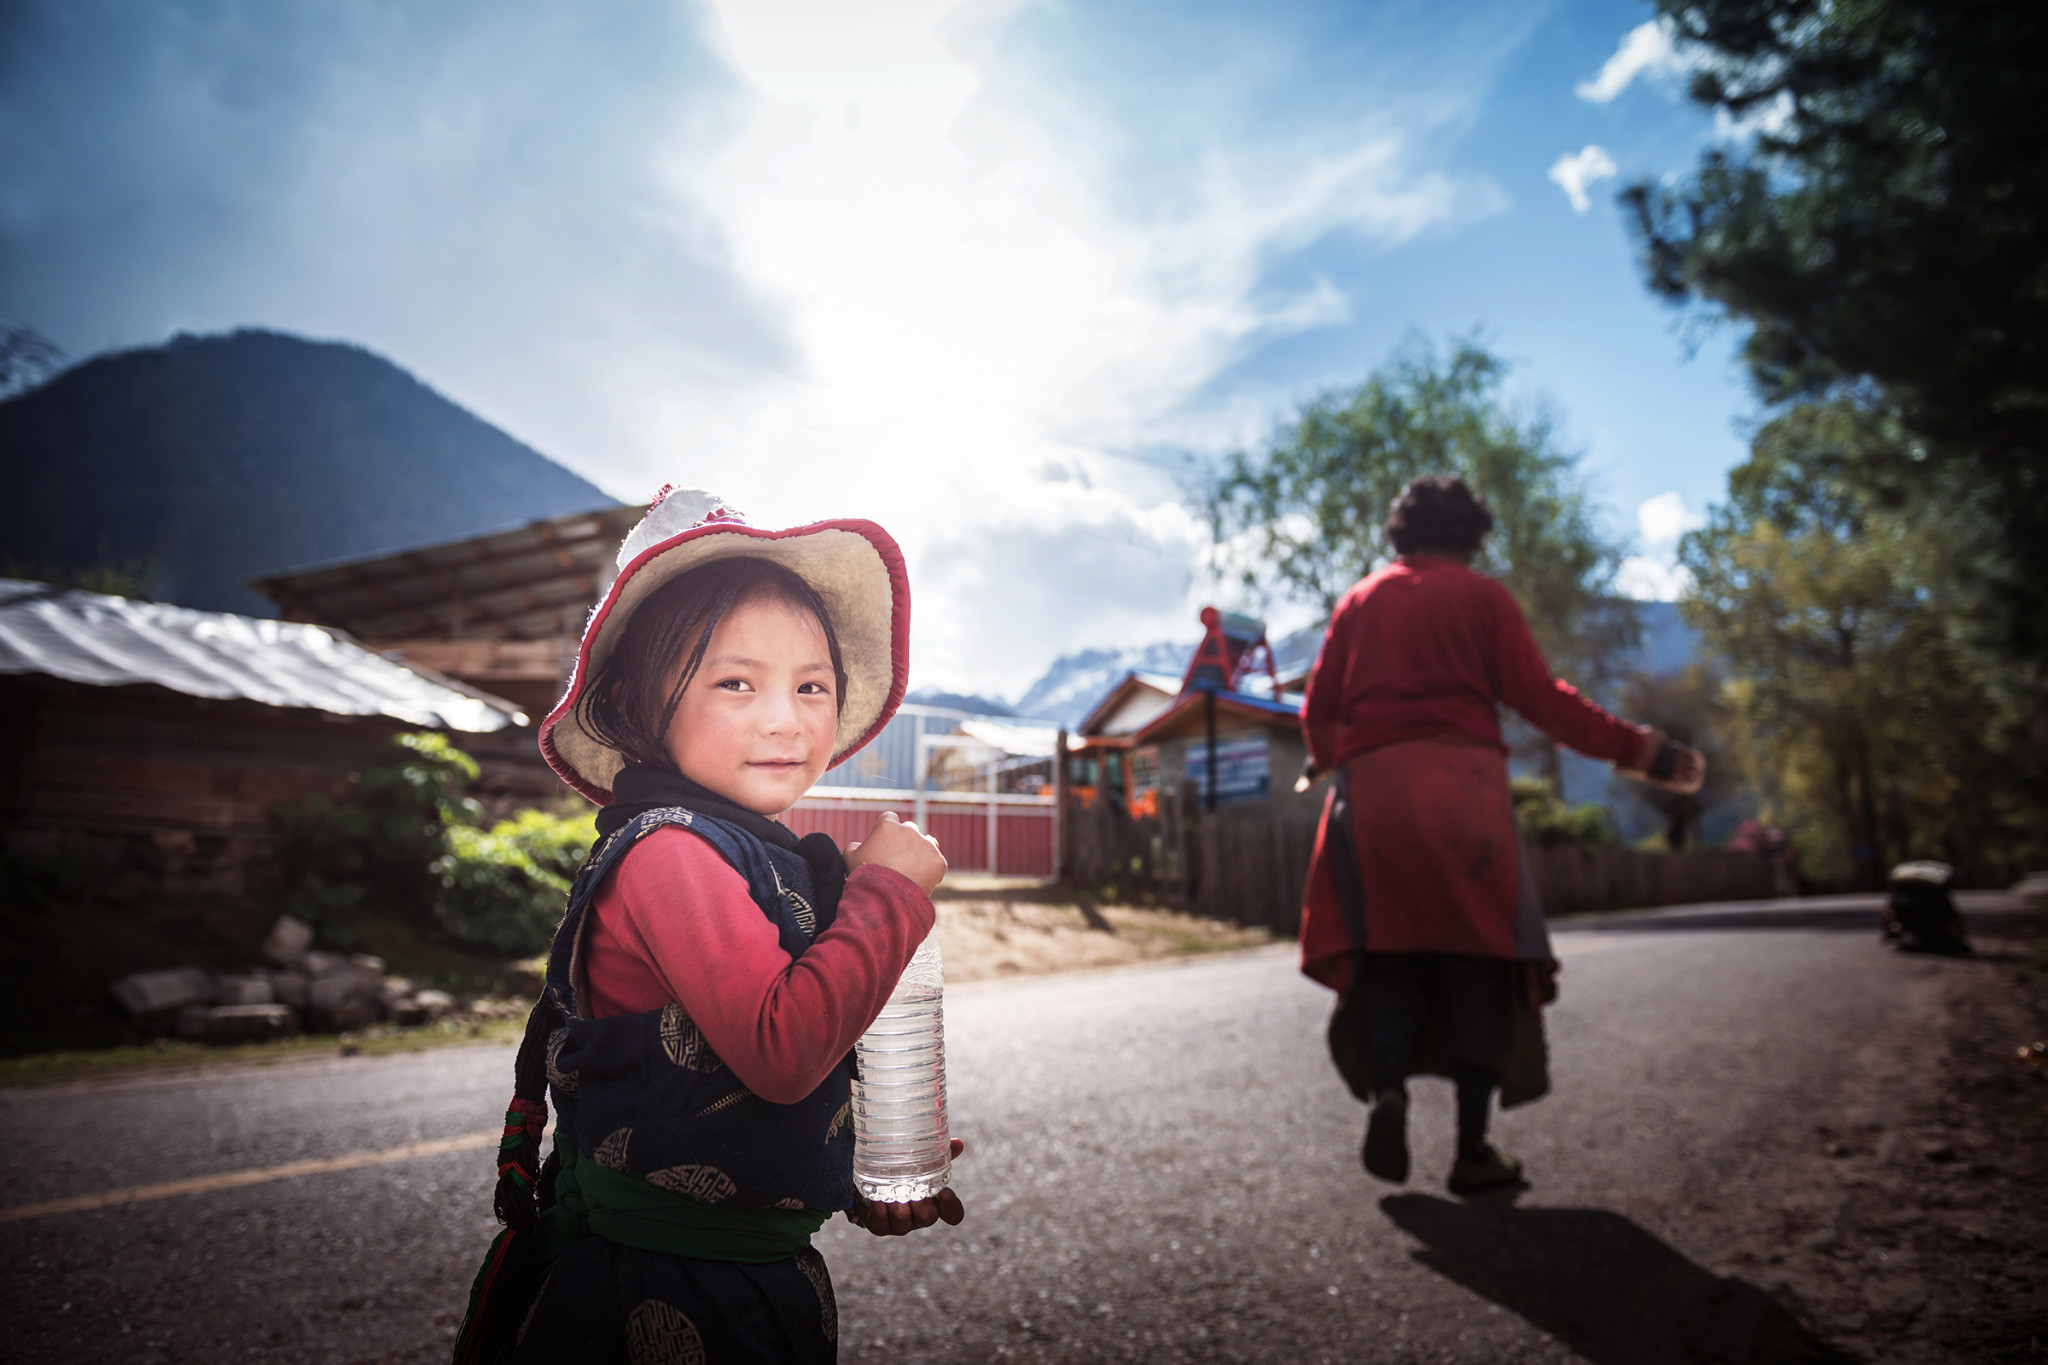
[[897, 1220], [1686, 776], [903, 848]]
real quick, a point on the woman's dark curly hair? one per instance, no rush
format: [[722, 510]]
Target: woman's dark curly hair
[[631, 698], [1437, 514]]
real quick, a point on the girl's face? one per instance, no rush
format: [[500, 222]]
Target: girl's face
[[756, 724]]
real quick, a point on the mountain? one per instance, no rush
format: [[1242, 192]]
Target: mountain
[[959, 701], [1075, 682], [1668, 642], [197, 465]]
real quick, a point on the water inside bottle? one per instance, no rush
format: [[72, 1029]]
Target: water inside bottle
[[901, 1149]]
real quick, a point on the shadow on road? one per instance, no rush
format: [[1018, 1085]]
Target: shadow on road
[[1604, 1287], [1856, 919], [1832, 918]]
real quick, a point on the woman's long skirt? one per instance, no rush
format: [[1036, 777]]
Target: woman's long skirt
[[1418, 899]]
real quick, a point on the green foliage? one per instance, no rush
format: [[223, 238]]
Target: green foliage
[[114, 580], [1305, 515], [407, 846], [369, 854], [1881, 235], [1545, 819], [505, 887], [1872, 731]]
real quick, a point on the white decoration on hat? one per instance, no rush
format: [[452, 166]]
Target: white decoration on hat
[[674, 511]]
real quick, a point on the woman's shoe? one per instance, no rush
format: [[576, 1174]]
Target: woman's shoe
[[1386, 1137], [1488, 1169]]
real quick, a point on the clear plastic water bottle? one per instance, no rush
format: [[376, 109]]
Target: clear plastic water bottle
[[901, 1150]]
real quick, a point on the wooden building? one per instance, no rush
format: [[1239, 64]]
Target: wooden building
[[502, 611], [164, 736], [1098, 752]]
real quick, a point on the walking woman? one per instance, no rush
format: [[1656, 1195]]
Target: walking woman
[[1419, 911]]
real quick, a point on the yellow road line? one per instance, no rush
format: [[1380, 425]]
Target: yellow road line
[[1565, 947], [261, 1175]]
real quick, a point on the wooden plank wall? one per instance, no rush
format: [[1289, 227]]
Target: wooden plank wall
[[191, 782]]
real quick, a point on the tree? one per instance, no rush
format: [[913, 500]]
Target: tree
[[1870, 728], [1881, 234], [27, 358], [1303, 517]]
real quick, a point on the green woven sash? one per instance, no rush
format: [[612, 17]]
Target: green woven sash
[[626, 1209]]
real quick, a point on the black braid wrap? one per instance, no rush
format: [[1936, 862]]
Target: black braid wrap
[[510, 1278]]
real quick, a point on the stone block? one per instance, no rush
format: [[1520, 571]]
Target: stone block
[[318, 964], [352, 1013], [155, 992], [436, 1003], [289, 939], [326, 993], [245, 1023], [289, 988], [408, 1012], [253, 989]]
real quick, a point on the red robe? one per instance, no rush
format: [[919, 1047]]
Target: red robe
[[1405, 696]]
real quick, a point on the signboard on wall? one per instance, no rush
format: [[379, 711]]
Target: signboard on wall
[[1244, 771]]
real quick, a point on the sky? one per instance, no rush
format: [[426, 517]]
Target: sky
[[1002, 275]]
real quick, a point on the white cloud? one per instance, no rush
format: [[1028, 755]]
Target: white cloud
[[981, 313], [1646, 50], [1651, 580], [1656, 575], [1665, 518], [1774, 116], [950, 264], [1575, 172]]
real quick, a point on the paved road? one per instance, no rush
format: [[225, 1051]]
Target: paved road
[[1163, 1167]]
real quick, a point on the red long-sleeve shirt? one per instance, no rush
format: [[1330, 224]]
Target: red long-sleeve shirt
[[674, 922], [1426, 649]]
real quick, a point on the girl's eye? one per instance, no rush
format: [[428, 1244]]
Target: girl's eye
[[731, 684], [813, 689]]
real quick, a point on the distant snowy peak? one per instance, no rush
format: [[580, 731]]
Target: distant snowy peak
[[1075, 682], [958, 701]]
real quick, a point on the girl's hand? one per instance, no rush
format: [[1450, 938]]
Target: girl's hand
[[897, 1220], [903, 848]]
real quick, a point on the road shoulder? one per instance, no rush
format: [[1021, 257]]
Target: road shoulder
[[1908, 1227]]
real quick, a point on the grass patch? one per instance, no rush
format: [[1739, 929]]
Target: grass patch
[[171, 1055]]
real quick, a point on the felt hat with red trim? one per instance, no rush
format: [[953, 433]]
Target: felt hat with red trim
[[854, 566]]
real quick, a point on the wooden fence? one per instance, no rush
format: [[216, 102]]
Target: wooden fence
[[1569, 878], [1251, 868], [1222, 864]]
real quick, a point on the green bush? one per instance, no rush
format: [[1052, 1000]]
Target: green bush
[[505, 887], [1545, 819], [368, 854]]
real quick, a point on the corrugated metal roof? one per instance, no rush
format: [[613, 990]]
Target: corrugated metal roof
[[532, 582], [1014, 739], [87, 637]]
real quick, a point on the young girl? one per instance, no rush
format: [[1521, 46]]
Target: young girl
[[713, 971]]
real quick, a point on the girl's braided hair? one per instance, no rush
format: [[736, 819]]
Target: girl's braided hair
[[1440, 514], [633, 694]]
